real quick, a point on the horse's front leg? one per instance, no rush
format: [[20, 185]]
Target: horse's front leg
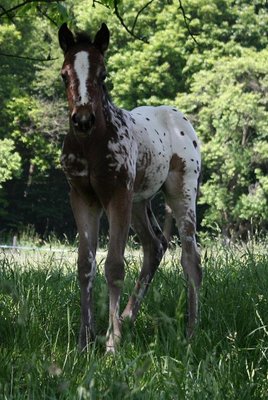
[[119, 214], [87, 215]]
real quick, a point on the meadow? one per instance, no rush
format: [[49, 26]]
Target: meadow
[[227, 358]]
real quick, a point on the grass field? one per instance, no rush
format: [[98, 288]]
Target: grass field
[[227, 359]]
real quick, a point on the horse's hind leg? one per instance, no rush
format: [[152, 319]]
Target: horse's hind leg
[[154, 246], [183, 207], [156, 228]]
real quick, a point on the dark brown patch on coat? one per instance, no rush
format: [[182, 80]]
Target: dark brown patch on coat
[[177, 168], [73, 166], [177, 163], [190, 224], [140, 181], [189, 229]]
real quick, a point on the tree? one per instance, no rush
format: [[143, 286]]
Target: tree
[[166, 67], [32, 120], [229, 105], [10, 166]]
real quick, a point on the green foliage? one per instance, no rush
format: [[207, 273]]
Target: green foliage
[[34, 131], [230, 108], [10, 161], [33, 119], [221, 82], [10, 167]]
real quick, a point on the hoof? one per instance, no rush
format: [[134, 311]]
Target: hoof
[[110, 350], [127, 315], [112, 342]]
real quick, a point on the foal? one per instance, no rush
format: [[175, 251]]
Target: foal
[[116, 161]]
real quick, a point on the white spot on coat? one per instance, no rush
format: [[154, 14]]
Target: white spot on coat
[[74, 165], [91, 275]]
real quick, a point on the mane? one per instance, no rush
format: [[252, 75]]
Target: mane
[[82, 37], [107, 94]]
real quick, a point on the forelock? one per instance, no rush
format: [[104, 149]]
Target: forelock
[[82, 38]]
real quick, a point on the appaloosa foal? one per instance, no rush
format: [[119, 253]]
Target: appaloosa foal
[[117, 160]]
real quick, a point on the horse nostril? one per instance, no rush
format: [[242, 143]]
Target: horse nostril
[[74, 118], [92, 119], [83, 121]]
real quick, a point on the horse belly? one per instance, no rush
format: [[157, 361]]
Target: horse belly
[[150, 179]]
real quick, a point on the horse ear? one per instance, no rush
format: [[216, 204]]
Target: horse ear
[[66, 38], [102, 37]]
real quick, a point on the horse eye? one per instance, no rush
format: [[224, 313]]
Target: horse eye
[[103, 76], [64, 77]]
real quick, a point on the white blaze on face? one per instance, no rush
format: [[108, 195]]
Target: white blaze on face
[[81, 66]]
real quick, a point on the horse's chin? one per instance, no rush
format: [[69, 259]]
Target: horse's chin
[[83, 134]]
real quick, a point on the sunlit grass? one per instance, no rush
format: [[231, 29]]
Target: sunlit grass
[[227, 359]]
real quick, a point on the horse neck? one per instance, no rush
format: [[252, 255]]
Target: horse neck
[[114, 116], [109, 119]]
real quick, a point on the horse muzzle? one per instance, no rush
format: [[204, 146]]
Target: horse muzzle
[[83, 122]]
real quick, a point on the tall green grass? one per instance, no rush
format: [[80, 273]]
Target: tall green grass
[[227, 359]]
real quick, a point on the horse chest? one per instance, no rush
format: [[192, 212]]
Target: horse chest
[[74, 165], [121, 156], [101, 168]]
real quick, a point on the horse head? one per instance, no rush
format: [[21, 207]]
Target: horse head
[[83, 73]]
